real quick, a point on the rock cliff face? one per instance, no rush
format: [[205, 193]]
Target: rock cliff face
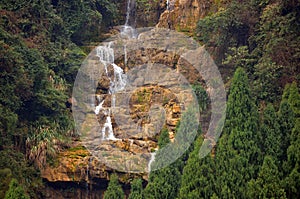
[[77, 164], [183, 15], [145, 111]]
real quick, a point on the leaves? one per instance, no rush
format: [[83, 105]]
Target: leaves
[[114, 189]]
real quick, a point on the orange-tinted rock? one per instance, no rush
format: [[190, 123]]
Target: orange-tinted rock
[[185, 15]]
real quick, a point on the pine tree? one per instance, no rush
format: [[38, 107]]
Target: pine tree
[[163, 183], [238, 154], [242, 117], [114, 189], [292, 180], [294, 99], [267, 185], [270, 130], [136, 189], [198, 175], [286, 118], [15, 191]]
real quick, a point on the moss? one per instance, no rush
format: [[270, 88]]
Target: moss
[[77, 148], [53, 162]]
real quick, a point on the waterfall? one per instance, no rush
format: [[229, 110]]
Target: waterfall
[[128, 28], [170, 5], [108, 130], [152, 158], [99, 108], [119, 82], [105, 54], [128, 13], [106, 57]]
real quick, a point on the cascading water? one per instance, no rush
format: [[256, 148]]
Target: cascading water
[[129, 26], [99, 107], [118, 83], [118, 80], [152, 158]]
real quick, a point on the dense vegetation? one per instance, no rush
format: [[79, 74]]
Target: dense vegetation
[[256, 43], [39, 59]]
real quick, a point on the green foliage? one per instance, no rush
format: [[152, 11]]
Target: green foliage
[[266, 73], [163, 138], [272, 137], [267, 185], [294, 98], [292, 180], [38, 64], [198, 175], [8, 122], [163, 183], [5, 178], [242, 117], [286, 119], [226, 28], [202, 96], [240, 104], [240, 57], [136, 191], [238, 153], [15, 163], [145, 5], [114, 189], [15, 191], [277, 48]]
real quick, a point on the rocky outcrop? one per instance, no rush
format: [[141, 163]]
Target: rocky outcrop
[[131, 150], [184, 14], [77, 165], [181, 15]]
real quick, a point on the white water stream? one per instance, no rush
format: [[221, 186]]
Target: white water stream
[[118, 81]]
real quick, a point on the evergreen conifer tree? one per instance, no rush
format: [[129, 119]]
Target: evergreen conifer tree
[[267, 185], [292, 180], [238, 153], [136, 189], [114, 189], [198, 175], [272, 138]]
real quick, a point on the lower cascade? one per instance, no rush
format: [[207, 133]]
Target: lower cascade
[[117, 83], [152, 158]]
